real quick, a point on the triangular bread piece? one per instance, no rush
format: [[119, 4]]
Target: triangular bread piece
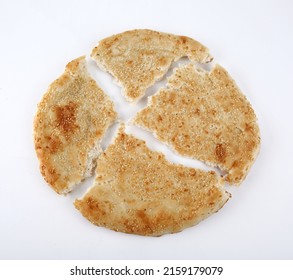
[[204, 115], [138, 58], [70, 122], [138, 191]]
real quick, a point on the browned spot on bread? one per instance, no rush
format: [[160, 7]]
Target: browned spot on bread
[[213, 195], [49, 173], [91, 203], [94, 206], [235, 164], [162, 61], [54, 144], [220, 152], [192, 172], [183, 39], [133, 93], [66, 118], [144, 220], [128, 226], [248, 127]]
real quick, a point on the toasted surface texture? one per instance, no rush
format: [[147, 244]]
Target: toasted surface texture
[[138, 191], [71, 119], [138, 58], [204, 115]]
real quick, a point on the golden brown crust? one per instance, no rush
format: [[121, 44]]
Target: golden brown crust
[[205, 116], [138, 58], [138, 191], [71, 119]]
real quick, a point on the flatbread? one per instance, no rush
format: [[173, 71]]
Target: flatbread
[[70, 122], [204, 115], [138, 58], [138, 191]]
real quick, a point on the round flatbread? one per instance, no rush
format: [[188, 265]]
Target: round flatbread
[[200, 114]]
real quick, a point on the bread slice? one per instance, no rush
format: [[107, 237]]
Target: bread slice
[[70, 122], [138, 191], [138, 58], [204, 115]]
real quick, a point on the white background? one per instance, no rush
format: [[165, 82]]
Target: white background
[[253, 40]]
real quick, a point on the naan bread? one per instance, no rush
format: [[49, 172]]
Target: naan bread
[[138, 191], [204, 115], [70, 122], [138, 58]]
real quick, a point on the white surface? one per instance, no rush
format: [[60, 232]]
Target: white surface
[[251, 39]]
